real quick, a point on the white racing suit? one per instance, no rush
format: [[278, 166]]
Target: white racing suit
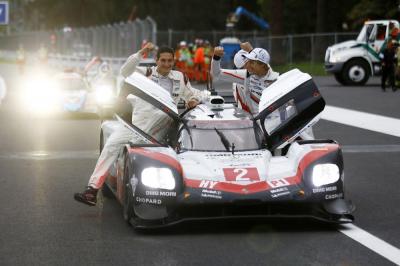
[[149, 119], [249, 93], [247, 88]]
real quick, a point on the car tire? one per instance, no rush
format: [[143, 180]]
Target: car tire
[[339, 78], [127, 207], [355, 72]]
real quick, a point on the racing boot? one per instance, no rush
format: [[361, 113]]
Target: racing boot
[[89, 196]]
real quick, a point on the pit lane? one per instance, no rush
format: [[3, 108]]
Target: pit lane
[[44, 161]]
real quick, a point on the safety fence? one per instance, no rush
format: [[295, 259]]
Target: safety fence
[[285, 49], [117, 41]]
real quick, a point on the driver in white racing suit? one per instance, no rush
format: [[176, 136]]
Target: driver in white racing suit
[[144, 117], [254, 74]]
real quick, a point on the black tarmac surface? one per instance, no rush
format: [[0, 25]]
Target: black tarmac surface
[[44, 161]]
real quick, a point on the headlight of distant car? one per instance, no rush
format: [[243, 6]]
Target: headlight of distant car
[[324, 174], [40, 95], [158, 178], [104, 93]]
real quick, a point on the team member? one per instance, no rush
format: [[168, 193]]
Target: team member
[[254, 73], [388, 61], [143, 116]]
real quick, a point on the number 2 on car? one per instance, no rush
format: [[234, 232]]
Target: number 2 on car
[[241, 174]]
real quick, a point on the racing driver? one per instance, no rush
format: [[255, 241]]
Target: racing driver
[[256, 75], [143, 117]]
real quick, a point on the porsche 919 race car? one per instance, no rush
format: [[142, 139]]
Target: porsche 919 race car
[[218, 161]]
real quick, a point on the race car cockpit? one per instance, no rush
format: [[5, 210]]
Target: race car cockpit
[[229, 129]]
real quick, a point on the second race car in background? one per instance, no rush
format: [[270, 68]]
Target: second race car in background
[[66, 92]]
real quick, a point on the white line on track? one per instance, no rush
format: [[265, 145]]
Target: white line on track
[[377, 123], [50, 155], [372, 242]]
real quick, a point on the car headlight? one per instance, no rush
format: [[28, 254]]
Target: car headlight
[[104, 94], [41, 96], [158, 178], [324, 174], [335, 59]]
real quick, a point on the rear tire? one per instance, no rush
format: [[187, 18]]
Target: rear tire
[[127, 208], [355, 72]]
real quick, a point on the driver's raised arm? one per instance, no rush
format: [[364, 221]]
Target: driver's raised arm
[[230, 75], [131, 64]]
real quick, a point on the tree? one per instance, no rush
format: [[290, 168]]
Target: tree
[[372, 9]]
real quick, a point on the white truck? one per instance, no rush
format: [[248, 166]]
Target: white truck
[[353, 62]]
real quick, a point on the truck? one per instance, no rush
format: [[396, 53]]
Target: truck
[[354, 62]]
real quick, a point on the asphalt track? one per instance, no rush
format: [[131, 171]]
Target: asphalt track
[[44, 161]]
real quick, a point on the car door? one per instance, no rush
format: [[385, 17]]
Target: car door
[[288, 107], [155, 114], [380, 37]]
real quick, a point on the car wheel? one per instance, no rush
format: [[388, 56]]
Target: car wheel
[[339, 78], [355, 72], [127, 208]]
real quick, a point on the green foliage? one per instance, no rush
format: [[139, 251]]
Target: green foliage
[[301, 16], [372, 9], [285, 16], [314, 69]]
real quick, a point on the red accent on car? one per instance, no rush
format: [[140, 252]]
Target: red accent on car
[[263, 185], [166, 159]]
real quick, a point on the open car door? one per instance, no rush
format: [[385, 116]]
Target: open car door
[[288, 107], [155, 113]]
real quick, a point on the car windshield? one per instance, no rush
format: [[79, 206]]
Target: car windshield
[[365, 31], [213, 139]]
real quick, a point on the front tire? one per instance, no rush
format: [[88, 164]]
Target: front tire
[[339, 78], [355, 72]]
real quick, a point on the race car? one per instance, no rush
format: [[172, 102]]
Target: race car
[[46, 93], [217, 161], [74, 93]]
